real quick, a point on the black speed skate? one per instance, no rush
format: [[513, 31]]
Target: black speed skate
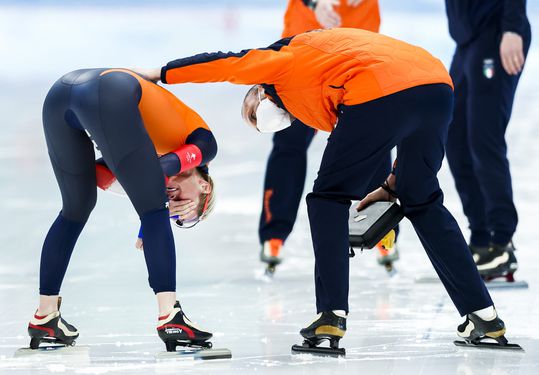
[[51, 329], [496, 261], [475, 330], [175, 329], [328, 326]]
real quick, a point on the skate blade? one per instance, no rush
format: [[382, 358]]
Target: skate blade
[[188, 353], [427, 279], [488, 345], [494, 284], [317, 350], [270, 270], [52, 350], [502, 284], [390, 269]]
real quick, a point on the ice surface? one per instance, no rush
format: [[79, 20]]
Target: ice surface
[[396, 326]]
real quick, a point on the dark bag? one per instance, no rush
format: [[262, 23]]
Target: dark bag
[[368, 226]]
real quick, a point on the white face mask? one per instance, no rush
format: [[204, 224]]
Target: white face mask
[[270, 118]]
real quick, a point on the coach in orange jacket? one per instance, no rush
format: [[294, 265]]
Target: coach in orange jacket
[[372, 92]]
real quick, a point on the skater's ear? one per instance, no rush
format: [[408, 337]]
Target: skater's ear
[[207, 195]]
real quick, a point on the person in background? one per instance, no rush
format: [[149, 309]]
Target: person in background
[[493, 38]]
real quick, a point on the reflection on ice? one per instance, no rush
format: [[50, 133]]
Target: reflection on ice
[[396, 326]]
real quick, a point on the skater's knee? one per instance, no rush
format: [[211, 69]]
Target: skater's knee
[[416, 203], [80, 209]]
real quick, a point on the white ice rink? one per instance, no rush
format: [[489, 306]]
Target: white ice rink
[[396, 326]]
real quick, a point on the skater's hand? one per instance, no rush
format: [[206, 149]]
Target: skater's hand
[[354, 3], [512, 53], [139, 244], [186, 209], [326, 15], [153, 75], [375, 196]]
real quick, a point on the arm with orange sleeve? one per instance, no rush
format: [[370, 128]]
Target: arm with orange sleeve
[[266, 65]]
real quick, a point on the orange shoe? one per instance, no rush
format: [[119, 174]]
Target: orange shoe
[[387, 249], [271, 250]]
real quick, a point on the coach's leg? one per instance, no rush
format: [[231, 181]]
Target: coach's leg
[[420, 156]]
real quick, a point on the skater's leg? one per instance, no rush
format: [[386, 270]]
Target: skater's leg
[[419, 158], [72, 156], [108, 108], [490, 102], [459, 157], [284, 181]]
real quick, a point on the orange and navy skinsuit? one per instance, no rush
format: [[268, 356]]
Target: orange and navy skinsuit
[[180, 136], [131, 121], [373, 93], [311, 74], [299, 18]]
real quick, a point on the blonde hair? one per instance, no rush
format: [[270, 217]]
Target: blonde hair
[[210, 197], [243, 106]]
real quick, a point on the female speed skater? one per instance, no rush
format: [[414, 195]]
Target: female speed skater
[[286, 167], [372, 92], [131, 121]]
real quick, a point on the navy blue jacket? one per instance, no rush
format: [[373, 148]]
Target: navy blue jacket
[[468, 18]]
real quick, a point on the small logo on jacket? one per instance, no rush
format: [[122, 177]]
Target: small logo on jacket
[[488, 68], [191, 157]]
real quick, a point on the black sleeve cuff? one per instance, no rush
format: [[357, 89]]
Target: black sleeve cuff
[[164, 74], [170, 164]]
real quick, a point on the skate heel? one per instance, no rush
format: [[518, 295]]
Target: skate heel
[[496, 334]]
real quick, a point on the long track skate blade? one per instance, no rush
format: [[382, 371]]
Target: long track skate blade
[[317, 350], [53, 350], [488, 345], [427, 279], [192, 354], [502, 284]]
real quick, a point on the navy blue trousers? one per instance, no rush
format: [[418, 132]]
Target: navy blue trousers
[[285, 180], [80, 104], [476, 147], [416, 121]]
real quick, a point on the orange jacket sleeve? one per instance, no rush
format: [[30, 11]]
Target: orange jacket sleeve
[[254, 66]]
